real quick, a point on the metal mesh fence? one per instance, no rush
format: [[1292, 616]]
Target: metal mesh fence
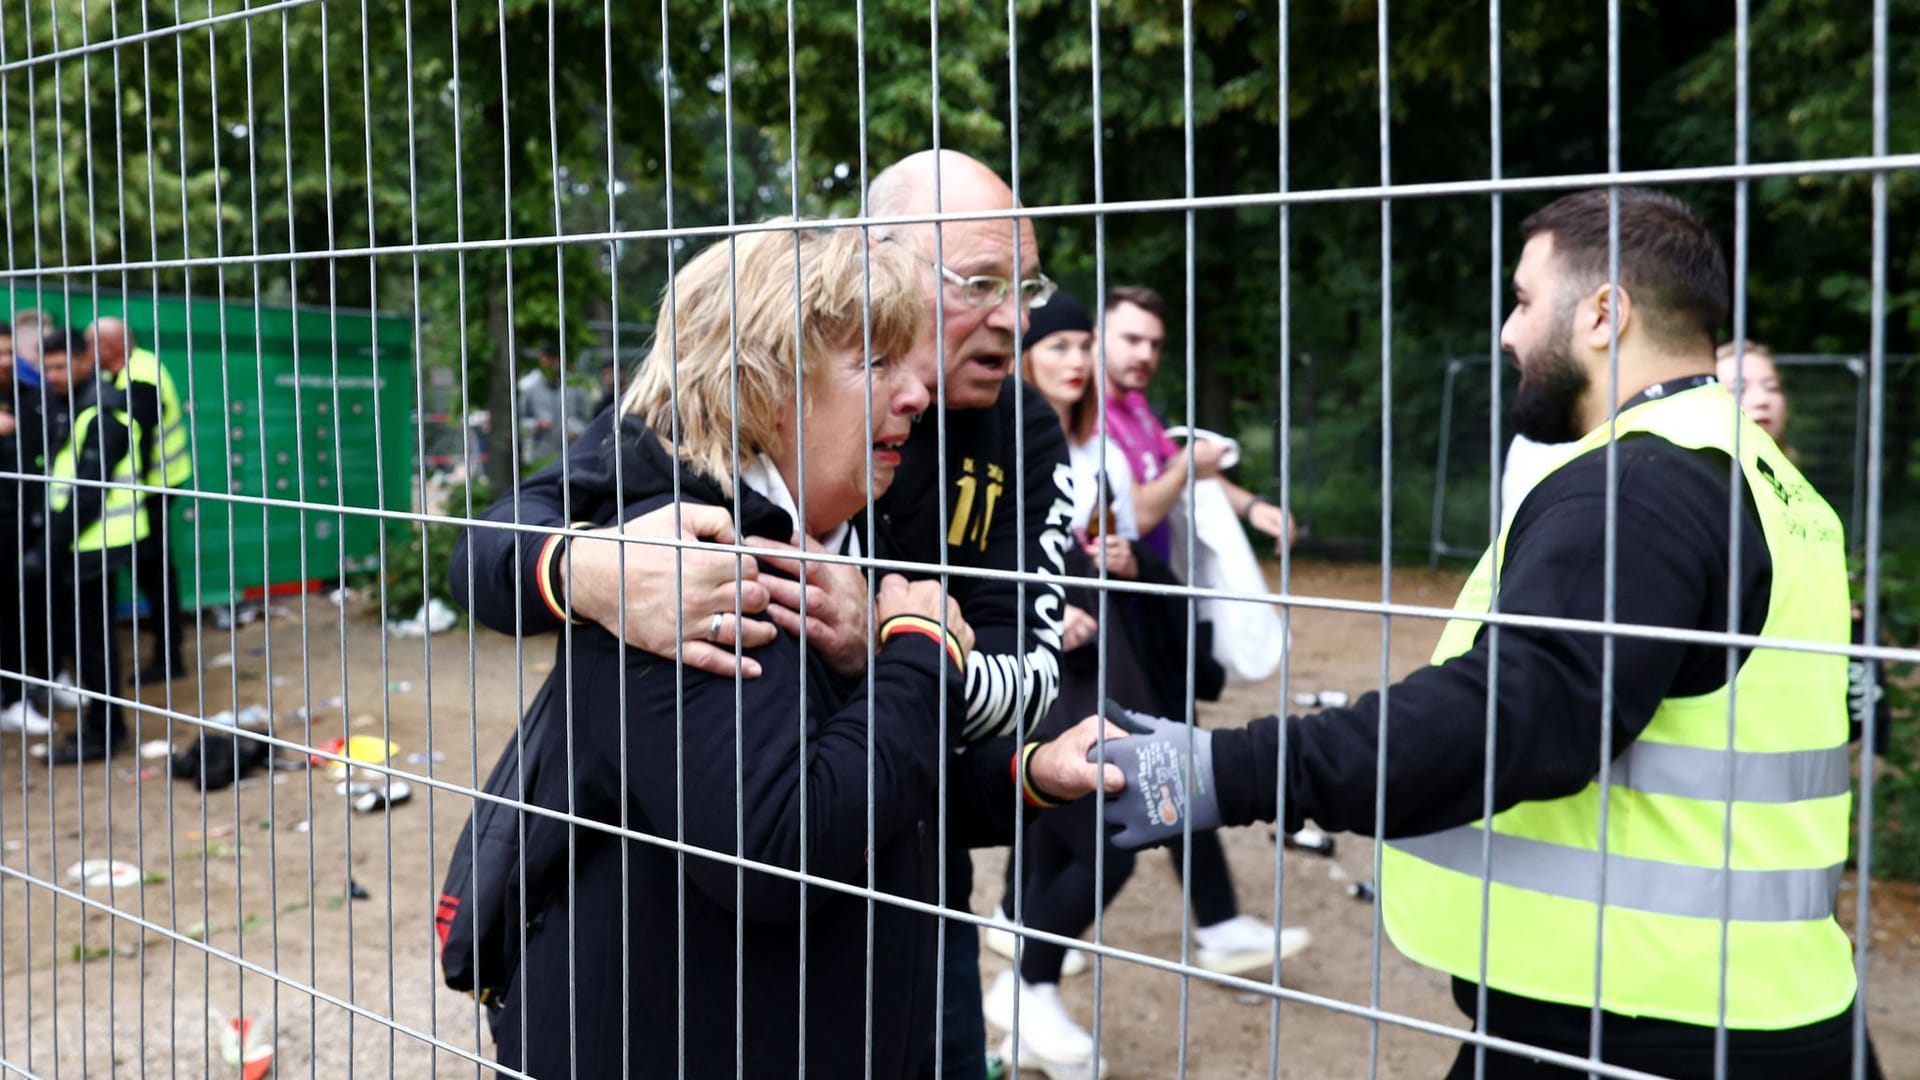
[[298, 290]]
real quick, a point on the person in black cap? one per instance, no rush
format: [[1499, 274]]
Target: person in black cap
[[1058, 872]]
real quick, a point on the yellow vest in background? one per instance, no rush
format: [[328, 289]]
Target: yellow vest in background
[[122, 522], [172, 464]]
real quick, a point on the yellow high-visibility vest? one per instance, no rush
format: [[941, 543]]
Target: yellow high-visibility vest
[[123, 520], [1668, 875], [172, 464]]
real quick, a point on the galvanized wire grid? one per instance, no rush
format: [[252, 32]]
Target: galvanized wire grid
[[46, 1031]]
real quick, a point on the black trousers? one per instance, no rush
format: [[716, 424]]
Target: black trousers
[[13, 612], [1058, 864], [1819, 1051], [83, 637], [159, 581], [25, 634]]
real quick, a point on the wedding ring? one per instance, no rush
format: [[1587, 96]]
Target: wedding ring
[[713, 628]]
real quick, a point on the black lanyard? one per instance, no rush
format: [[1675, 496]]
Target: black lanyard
[[1663, 389]]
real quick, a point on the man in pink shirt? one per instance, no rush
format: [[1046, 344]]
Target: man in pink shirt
[[1134, 328]]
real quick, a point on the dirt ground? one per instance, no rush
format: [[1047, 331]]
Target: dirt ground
[[100, 980]]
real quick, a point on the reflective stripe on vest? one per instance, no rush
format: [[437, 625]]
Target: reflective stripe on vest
[[122, 521], [1698, 772], [1671, 867], [1638, 884]]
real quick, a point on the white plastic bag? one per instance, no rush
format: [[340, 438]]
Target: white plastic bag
[[1248, 638]]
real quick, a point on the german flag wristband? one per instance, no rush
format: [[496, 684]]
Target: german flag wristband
[[551, 554], [916, 624], [1021, 764]]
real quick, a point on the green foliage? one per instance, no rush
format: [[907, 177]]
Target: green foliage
[[417, 553]]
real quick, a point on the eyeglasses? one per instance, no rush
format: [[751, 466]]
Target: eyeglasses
[[986, 290]]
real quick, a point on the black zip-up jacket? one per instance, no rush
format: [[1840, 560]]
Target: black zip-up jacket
[[1008, 502], [23, 453], [767, 769]]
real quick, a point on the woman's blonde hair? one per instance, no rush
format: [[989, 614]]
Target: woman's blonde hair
[[732, 309], [1751, 348]]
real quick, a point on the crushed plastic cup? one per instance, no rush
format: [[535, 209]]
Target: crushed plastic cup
[[246, 1045], [93, 872], [392, 794], [1310, 839], [433, 617], [1324, 699]]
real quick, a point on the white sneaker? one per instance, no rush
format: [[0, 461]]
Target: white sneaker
[[1048, 1042], [1243, 944], [999, 939], [22, 718], [65, 695]]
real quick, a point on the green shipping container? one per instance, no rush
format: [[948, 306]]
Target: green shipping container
[[294, 405]]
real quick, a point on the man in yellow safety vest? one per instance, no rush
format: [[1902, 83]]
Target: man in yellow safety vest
[[95, 519], [138, 373], [1658, 850]]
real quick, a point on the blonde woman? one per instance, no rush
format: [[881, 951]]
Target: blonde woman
[[643, 958], [1749, 372]]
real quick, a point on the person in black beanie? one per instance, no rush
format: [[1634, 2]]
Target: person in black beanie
[[1104, 654]]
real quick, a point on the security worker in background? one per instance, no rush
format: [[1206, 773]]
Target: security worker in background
[[1673, 883], [91, 530], [137, 373]]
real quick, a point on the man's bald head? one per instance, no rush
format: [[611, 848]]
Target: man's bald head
[[975, 347], [109, 342], [910, 186]]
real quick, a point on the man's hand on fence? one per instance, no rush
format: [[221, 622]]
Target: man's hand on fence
[[1161, 795], [837, 608], [598, 585], [924, 600]]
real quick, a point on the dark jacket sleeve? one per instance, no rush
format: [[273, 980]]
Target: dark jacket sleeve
[[1548, 698], [981, 794], [791, 794], [1013, 673], [495, 573]]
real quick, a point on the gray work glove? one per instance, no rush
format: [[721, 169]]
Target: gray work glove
[[1157, 797]]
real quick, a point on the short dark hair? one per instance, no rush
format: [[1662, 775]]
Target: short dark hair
[[1670, 263], [6, 328], [549, 349], [1144, 297], [53, 341]]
